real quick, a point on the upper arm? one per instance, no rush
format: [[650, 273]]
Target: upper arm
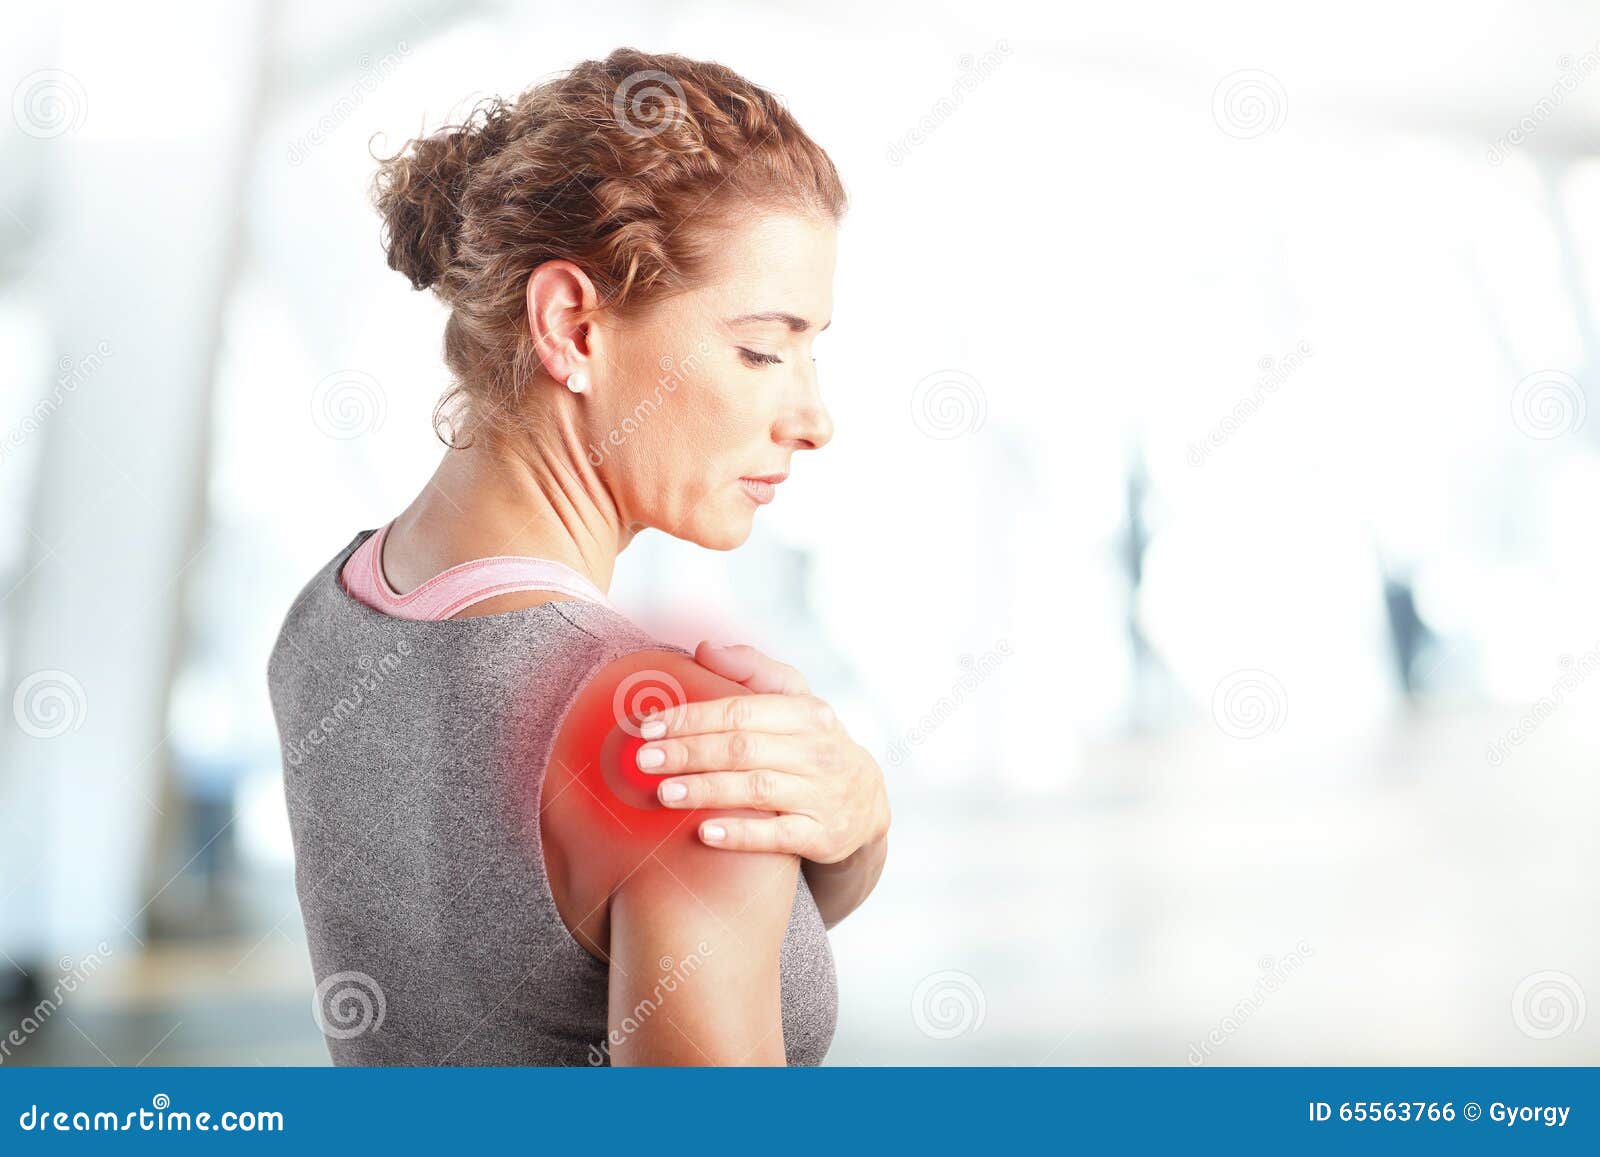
[[693, 934]]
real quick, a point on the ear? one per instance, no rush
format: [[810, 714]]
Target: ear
[[559, 298]]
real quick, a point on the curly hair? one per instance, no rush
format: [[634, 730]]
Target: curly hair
[[625, 166]]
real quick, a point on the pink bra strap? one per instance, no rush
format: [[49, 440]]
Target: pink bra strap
[[454, 590]]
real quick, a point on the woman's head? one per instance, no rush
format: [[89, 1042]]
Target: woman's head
[[625, 220]]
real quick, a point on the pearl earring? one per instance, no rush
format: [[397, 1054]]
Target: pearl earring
[[578, 382]]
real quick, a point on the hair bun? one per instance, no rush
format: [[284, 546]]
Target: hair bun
[[418, 192]]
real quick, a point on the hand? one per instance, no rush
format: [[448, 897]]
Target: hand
[[780, 750]]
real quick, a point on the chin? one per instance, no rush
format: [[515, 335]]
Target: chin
[[716, 522], [725, 536], [721, 530]]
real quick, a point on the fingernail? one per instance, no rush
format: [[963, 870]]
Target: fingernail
[[713, 833], [672, 790], [652, 729], [650, 757]]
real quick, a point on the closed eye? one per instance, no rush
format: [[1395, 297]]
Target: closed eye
[[759, 359]]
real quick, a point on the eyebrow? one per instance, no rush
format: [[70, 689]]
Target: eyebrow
[[795, 324]]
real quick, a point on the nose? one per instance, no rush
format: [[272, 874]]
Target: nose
[[808, 426]]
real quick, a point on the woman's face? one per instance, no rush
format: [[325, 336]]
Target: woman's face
[[715, 387]]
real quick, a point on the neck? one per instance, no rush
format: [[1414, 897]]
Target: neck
[[528, 493]]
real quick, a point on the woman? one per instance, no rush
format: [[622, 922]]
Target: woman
[[525, 831]]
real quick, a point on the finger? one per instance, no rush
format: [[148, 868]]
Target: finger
[[763, 789], [744, 664], [730, 751], [776, 714], [786, 833]]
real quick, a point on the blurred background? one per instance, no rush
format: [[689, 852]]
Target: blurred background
[[1207, 549]]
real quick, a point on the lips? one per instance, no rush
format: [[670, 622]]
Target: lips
[[761, 489]]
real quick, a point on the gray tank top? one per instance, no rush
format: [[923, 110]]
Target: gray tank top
[[434, 935]]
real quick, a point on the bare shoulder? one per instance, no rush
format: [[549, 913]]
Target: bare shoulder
[[606, 836], [650, 898]]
